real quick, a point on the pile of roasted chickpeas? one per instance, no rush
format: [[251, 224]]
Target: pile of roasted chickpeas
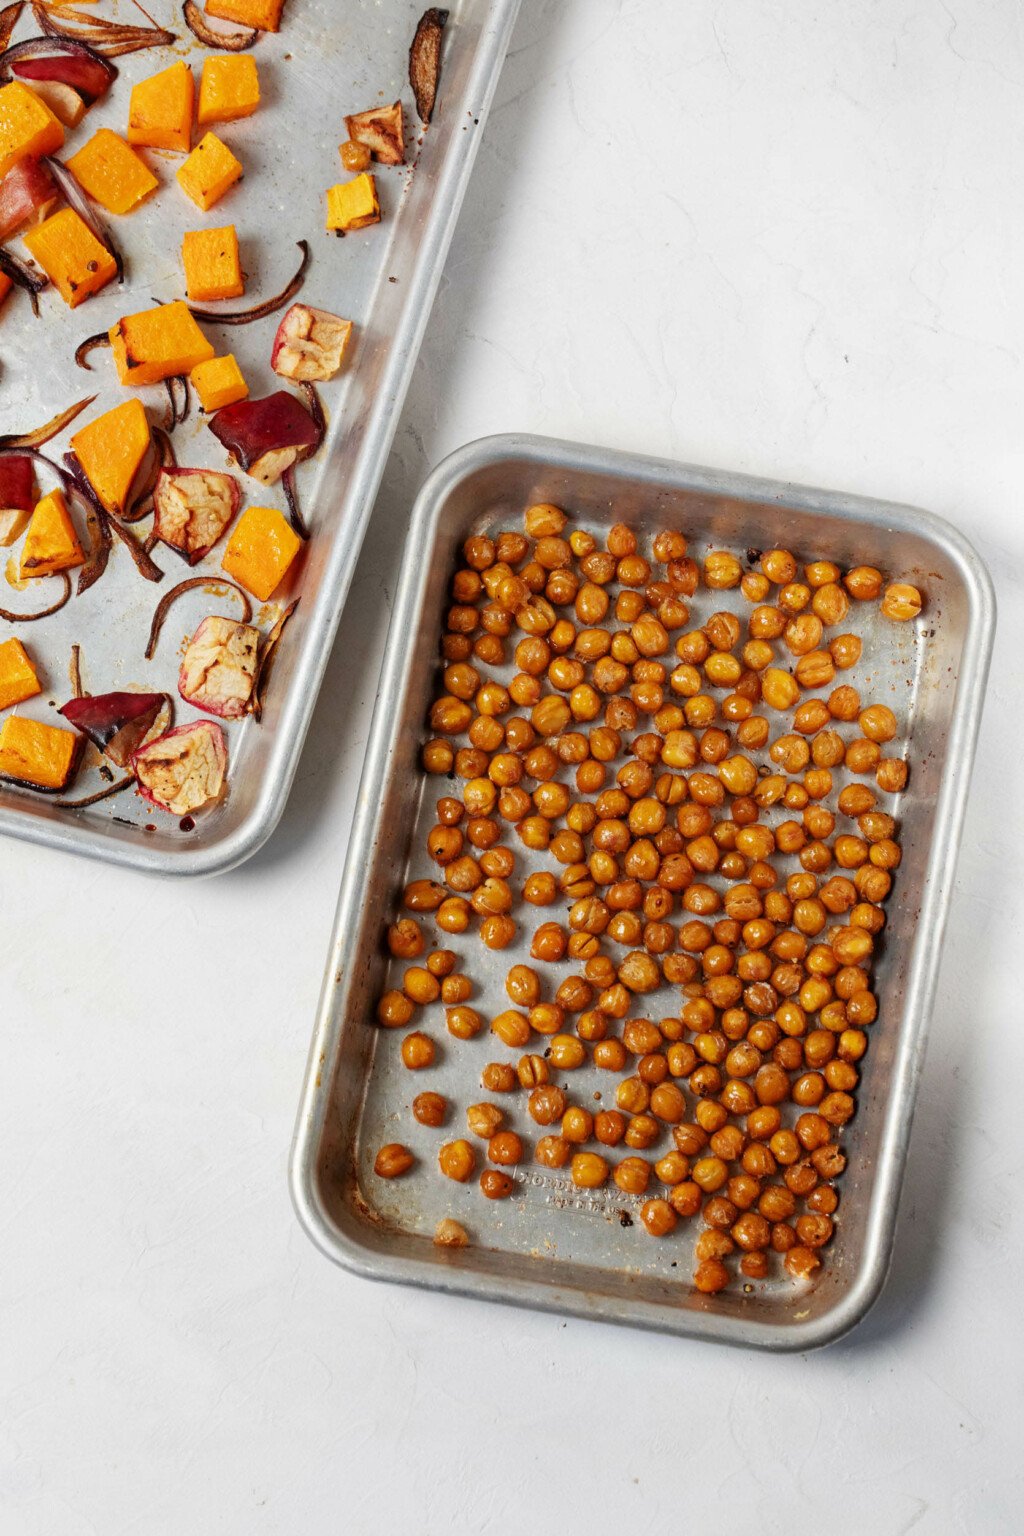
[[706, 800]]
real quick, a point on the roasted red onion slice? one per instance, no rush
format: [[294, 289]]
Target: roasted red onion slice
[[23, 276], [9, 20], [109, 38], [27, 193], [64, 59], [89, 345], [97, 795], [116, 723], [266, 436], [231, 42], [186, 586], [40, 435], [258, 311], [44, 613], [86, 212]]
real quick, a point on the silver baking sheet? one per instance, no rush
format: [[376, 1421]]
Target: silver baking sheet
[[329, 59], [550, 1245]]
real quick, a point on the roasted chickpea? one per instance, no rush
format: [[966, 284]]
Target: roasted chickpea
[[430, 1109], [589, 1170], [901, 602], [498, 1077], [457, 1160]]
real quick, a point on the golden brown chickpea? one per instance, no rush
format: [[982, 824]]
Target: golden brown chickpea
[[457, 1160], [497, 932], [710, 1276], [418, 1051], [830, 603], [779, 689], [658, 1217], [437, 756], [891, 775], [546, 1104], [498, 1077], [456, 989], [420, 986], [463, 1023], [484, 1120], [552, 1151], [496, 1184], [863, 583], [721, 570], [801, 1262], [878, 723], [394, 1010], [901, 602], [589, 1170], [393, 1160], [405, 939], [532, 1071], [430, 1109]]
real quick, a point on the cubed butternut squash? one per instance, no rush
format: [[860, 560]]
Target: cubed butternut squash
[[260, 551], [27, 126], [353, 204], [160, 110], [212, 266], [38, 755], [156, 343], [229, 88], [111, 451], [51, 543], [263, 14], [219, 382], [18, 680], [210, 171], [112, 173], [71, 256]]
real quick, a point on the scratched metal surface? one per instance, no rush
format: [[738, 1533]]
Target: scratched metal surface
[[328, 60], [551, 1245]]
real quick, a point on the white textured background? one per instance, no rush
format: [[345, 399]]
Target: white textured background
[[784, 238]]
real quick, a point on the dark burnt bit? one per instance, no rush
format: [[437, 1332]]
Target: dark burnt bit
[[187, 824], [754, 555], [625, 1219]]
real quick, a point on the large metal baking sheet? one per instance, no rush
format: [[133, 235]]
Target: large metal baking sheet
[[550, 1245], [329, 59]]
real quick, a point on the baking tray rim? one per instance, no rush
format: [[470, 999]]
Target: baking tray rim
[[79, 836], [883, 1197]]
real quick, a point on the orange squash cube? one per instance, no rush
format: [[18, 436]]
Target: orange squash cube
[[38, 755], [160, 110], [262, 14], [229, 88], [51, 543], [353, 204], [212, 266], [156, 343], [260, 551], [112, 173], [219, 382], [210, 171], [18, 679], [27, 126], [111, 451], [71, 256]]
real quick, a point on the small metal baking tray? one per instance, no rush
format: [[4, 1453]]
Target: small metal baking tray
[[550, 1245], [329, 59]]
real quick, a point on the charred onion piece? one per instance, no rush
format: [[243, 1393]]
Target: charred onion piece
[[97, 795], [142, 502], [144, 563], [382, 130], [425, 60], [184, 769], [42, 435], [233, 42], [100, 545], [109, 38], [116, 723], [165, 602], [44, 613], [82, 351], [27, 193], [9, 20], [266, 661], [171, 385], [291, 496], [266, 436], [258, 311], [23, 276], [86, 212], [63, 59], [75, 672]]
